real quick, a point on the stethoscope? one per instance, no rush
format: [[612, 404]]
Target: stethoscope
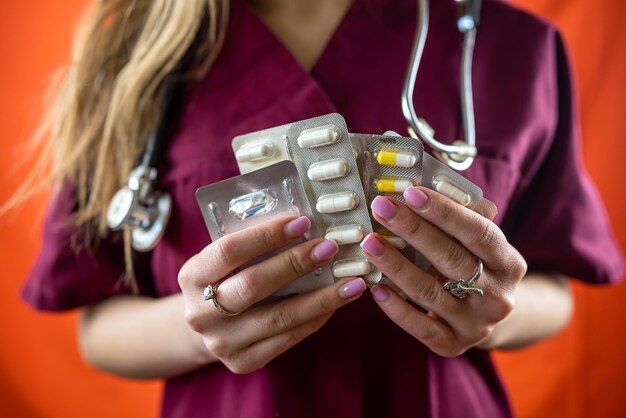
[[146, 210], [138, 205]]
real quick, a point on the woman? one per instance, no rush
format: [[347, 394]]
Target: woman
[[277, 62]]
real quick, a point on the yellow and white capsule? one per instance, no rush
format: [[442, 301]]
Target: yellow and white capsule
[[255, 152], [351, 267], [317, 137], [396, 242], [392, 185], [396, 158], [349, 234], [337, 202], [448, 189], [327, 170]]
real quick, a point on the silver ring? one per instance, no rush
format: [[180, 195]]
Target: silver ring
[[210, 293], [462, 288]]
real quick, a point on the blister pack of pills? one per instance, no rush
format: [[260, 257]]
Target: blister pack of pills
[[323, 154], [388, 166], [247, 200]]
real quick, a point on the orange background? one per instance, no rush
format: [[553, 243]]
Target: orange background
[[580, 373]]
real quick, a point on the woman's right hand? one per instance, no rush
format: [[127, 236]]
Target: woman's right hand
[[249, 340]]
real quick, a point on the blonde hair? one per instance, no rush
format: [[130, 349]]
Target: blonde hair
[[109, 98]]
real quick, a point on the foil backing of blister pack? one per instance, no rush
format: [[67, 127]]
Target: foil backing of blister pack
[[247, 200]]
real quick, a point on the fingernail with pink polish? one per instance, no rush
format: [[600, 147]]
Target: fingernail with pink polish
[[380, 293], [323, 251], [383, 207], [372, 245], [352, 288], [415, 197], [297, 227]]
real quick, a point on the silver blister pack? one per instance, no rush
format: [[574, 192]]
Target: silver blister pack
[[322, 151], [247, 200], [388, 166]]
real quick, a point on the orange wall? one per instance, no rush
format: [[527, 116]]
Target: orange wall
[[580, 373]]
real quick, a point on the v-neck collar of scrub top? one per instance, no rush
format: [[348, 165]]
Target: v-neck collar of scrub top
[[251, 44], [341, 59], [336, 31]]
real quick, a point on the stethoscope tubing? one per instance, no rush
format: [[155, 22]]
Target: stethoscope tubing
[[457, 155]]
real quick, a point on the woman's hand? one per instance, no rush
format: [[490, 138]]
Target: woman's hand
[[450, 236], [247, 341]]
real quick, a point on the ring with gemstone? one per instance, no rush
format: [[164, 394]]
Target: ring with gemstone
[[210, 293]]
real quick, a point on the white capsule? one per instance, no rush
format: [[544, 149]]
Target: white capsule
[[330, 169], [448, 189], [349, 234], [317, 137], [255, 152], [352, 267], [394, 185], [396, 242], [337, 202]]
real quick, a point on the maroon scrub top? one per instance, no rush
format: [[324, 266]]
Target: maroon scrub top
[[360, 364]]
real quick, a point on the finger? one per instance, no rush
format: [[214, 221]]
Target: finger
[[476, 233], [257, 282], [468, 319], [418, 285], [262, 352], [228, 253], [434, 334], [486, 208], [445, 252], [270, 320]]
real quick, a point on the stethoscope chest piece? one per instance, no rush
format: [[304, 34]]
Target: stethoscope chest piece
[[141, 209], [145, 239]]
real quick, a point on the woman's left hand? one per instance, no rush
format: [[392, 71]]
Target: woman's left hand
[[450, 236]]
